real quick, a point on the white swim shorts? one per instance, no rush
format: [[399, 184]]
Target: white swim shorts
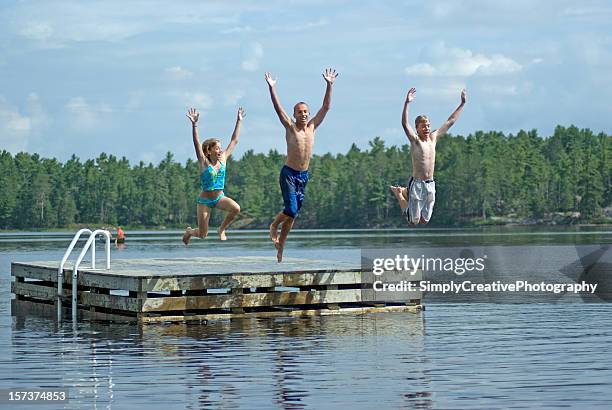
[[421, 199]]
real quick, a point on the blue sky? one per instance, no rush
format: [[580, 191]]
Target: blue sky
[[87, 77]]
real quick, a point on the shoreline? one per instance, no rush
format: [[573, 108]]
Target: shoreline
[[459, 226]]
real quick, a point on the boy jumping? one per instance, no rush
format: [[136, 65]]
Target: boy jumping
[[300, 139], [417, 200]]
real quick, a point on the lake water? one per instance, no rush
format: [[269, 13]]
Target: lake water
[[453, 355]]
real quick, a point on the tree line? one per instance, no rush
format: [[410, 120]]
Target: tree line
[[479, 179]]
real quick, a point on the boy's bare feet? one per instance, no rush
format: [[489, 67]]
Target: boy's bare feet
[[279, 251], [396, 189], [274, 233], [187, 236], [222, 235], [401, 193]]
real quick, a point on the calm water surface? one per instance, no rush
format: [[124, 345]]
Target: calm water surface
[[450, 356]]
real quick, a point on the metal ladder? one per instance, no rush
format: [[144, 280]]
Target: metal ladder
[[60, 271]]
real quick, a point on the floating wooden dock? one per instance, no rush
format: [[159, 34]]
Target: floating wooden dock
[[199, 289]]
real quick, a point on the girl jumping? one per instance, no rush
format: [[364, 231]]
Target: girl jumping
[[212, 160]]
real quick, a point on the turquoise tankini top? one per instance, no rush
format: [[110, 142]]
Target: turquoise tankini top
[[211, 179]]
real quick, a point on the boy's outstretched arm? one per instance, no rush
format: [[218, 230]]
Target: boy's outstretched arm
[[282, 115], [451, 120], [412, 136], [330, 76], [194, 116], [235, 134]]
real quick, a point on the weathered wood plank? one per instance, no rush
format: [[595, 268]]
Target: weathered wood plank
[[29, 308], [252, 280], [370, 295], [106, 281], [98, 279], [34, 272], [33, 290], [250, 300], [292, 313], [392, 276], [109, 301]]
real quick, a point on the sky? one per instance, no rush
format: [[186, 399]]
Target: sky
[[85, 77]]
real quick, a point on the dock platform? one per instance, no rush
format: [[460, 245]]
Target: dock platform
[[200, 289]]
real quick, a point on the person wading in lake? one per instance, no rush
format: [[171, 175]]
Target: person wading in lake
[[417, 199], [300, 139]]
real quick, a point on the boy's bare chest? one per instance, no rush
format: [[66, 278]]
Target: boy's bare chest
[[300, 138], [424, 149]]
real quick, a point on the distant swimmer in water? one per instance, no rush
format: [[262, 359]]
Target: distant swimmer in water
[[120, 236], [212, 160], [417, 199]]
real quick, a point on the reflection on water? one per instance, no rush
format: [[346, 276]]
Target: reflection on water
[[477, 355], [241, 363], [463, 356]]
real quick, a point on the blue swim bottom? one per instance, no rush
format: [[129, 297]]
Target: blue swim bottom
[[211, 203], [293, 184]]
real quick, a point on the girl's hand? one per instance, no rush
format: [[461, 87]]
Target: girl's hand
[[193, 116]]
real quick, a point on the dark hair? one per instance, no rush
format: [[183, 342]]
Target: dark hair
[[420, 118], [301, 102]]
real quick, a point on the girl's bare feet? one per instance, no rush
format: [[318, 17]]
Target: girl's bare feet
[[187, 236], [222, 235]]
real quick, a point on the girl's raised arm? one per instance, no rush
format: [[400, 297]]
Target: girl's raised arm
[[236, 134], [194, 116]]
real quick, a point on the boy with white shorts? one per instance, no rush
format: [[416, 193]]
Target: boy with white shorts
[[417, 200]]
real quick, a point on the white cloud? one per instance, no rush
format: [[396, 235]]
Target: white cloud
[[37, 113], [242, 29], [441, 10], [282, 28], [85, 116], [587, 11], [61, 22], [177, 73], [232, 97], [424, 69], [447, 61], [500, 89], [37, 30], [65, 29], [199, 100], [300, 27], [16, 128], [135, 100], [445, 90], [253, 58]]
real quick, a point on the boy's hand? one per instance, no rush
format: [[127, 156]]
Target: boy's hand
[[241, 114], [271, 82], [330, 75], [193, 116], [410, 95], [463, 96]]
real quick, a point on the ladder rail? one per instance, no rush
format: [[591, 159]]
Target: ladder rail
[[60, 270], [75, 271]]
